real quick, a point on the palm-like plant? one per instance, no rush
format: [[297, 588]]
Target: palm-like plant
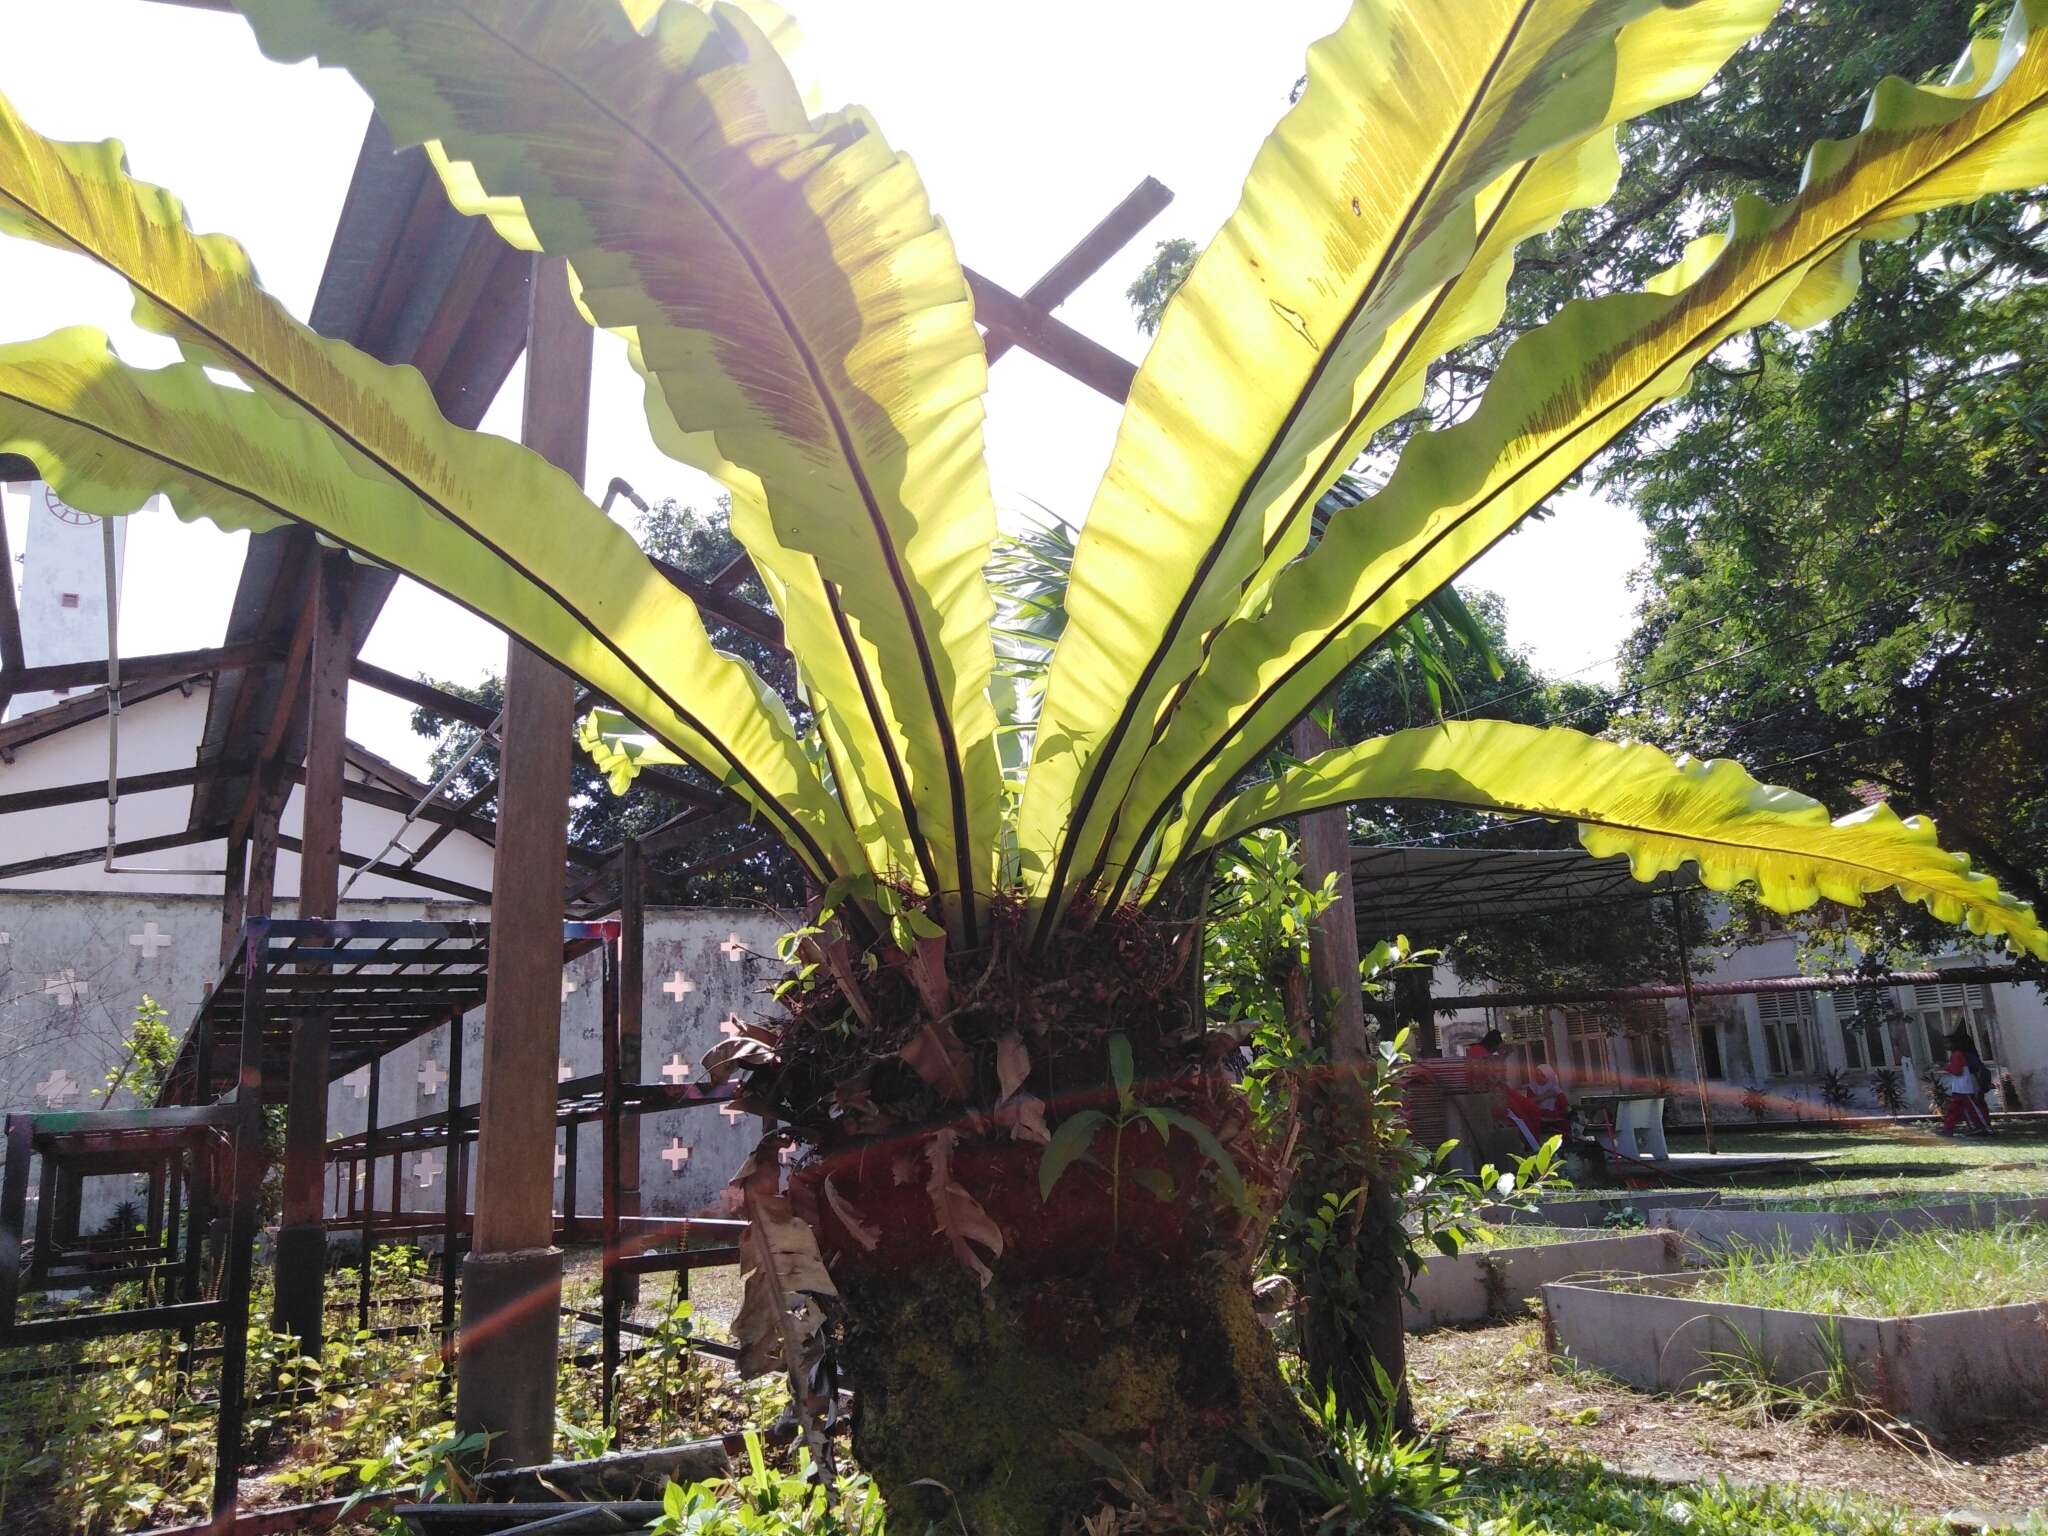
[[991, 947]]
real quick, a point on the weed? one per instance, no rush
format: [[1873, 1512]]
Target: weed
[[1931, 1271]]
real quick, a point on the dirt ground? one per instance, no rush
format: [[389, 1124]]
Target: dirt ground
[[1493, 1389]]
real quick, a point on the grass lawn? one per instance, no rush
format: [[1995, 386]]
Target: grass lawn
[[1905, 1160], [1532, 1491], [1925, 1272], [1568, 1450]]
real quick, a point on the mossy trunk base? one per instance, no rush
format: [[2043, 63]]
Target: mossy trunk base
[[978, 1408]]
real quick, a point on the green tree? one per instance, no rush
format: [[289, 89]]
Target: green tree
[[1848, 579], [745, 867]]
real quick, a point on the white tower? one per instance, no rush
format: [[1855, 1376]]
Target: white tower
[[63, 588]]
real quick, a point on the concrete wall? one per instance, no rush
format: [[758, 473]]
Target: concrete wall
[[1485, 1282], [74, 966], [1758, 1225], [703, 967], [1940, 1371]]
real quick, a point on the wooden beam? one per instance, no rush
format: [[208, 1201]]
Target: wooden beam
[[1051, 340], [261, 894], [234, 891], [96, 789], [299, 1296], [45, 863], [469, 712], [1144, 204], [420, 878], [280, 718], [423, 695], [505, 1383], [718, 603], [472, 806], [134, 669], [66, 713]]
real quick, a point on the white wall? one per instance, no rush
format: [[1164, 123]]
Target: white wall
[[160, 734]]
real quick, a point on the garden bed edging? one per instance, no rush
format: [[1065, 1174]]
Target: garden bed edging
[[1941, 1371]]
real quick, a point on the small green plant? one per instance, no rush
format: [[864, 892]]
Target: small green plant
[[1835, 1090], [151, 1050], [1071, 1143], [1747, 1382], [1625, 1218], [765, 1502], [1755, 1103], [1889, 1089], [1374, 1478]]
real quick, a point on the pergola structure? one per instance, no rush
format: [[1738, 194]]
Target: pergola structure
[[409, 280]]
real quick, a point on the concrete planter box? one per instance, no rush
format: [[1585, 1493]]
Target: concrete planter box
[[1481, 1283], [1594, 1212], [1760, 1224], [1940, 1371]]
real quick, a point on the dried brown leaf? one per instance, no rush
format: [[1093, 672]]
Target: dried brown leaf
[[936, 1055], [741, 1052], [1023, 1116], [1013, 1065], [961, 1217], [856, 1227]]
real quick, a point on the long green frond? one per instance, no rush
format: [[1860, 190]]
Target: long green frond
[[109, 436], [535, 547], [1302, 321], [790, 293], [1628, 797], [1571, 387]]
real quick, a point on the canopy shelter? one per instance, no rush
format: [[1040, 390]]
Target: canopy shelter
[[1431, 894]]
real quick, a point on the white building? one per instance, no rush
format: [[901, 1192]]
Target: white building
[[1762, 1051]]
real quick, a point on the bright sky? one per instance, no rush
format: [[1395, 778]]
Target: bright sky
[[1029, 121]]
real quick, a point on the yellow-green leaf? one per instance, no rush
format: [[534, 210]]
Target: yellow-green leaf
[[109, 436], [792, 296], [1628, 797], [486, 521], [1569, 388], [1301, 323]]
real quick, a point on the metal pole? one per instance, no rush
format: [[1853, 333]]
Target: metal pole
[[608, 1281], [632, 994], [451, 1204], [368, 1167], [1699, 1069]]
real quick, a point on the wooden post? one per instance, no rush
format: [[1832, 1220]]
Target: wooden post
[[299, 1306], [512, 1278], [632, 985], [241, 1243], [234, 891], [260, 891], [1333, 1342], [1333, 944]]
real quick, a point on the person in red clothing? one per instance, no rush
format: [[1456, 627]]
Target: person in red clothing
[[1538, 1108], [1965, 1113]]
